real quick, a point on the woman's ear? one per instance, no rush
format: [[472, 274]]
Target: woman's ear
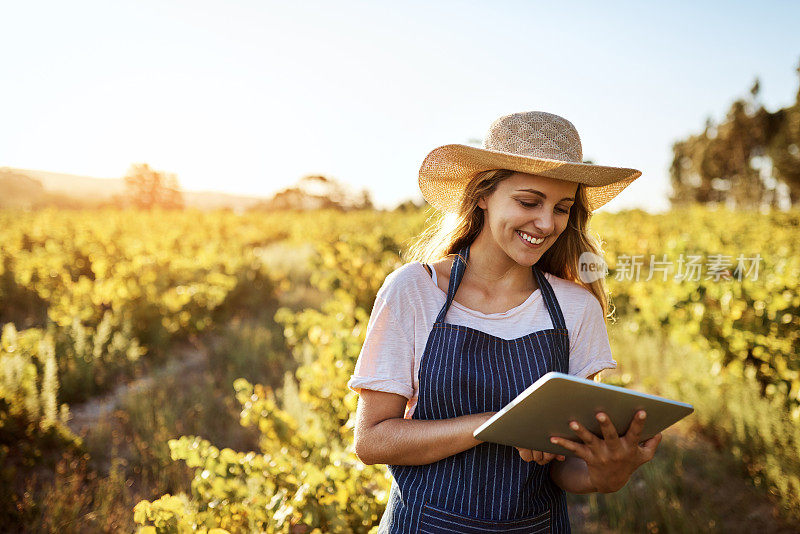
[[482, 203]]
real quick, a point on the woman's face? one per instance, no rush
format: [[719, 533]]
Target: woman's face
[[527, 207]]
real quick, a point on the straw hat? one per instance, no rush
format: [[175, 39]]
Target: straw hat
[[532, 142]]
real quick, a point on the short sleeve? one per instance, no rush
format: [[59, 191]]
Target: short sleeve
[[590, 350], [386, 361]]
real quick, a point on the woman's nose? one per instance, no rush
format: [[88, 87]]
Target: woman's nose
[[545, 223]]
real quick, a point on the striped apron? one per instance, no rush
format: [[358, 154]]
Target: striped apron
[[489, 487]]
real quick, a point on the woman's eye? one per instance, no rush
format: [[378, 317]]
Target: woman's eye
[[531, 205]]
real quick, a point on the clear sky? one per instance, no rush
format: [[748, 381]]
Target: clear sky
[[249, 96]]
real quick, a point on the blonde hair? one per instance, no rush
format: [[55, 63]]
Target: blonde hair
[[449, 233]]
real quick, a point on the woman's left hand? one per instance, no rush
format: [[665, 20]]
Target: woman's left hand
[[612, 459]]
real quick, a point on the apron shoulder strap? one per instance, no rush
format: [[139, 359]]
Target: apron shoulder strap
[[456, 274], [550, 300]]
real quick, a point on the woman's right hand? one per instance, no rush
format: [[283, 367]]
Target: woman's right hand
[[539, 457]]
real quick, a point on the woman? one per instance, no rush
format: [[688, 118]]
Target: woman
[[512, 259]]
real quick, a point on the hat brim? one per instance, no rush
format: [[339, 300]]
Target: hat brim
[[447, 169]]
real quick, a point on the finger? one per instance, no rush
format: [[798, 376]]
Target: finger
[[578, 449], [540, 457], [609, 431], [587, 437], [547, 456], [634, 431], [651, 444], [526, 454]]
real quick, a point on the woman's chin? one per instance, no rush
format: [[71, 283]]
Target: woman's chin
[[527, 257]]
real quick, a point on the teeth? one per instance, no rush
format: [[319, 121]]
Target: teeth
[[530, 239]]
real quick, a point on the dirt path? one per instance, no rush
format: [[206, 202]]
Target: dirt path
[[191, 355]]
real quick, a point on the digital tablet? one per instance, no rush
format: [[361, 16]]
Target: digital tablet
[[547, 406]]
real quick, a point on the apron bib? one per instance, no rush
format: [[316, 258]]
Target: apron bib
[[488, 488]]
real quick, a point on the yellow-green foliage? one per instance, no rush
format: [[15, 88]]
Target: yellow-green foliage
[[134, 281], [306, 427], [306, 471], [729, 407], [114, 286], [169, 516], [753, 322], [32, 360], [31, 421], [729, 411], [28, 377]]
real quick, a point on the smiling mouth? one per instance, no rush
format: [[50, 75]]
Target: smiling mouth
[[528, 243]]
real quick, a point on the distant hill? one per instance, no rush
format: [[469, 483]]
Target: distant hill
[[18, 190], [29, 188]]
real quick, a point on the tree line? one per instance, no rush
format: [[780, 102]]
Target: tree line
[[748, 160]]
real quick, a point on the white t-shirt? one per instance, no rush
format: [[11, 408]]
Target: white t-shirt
[[409, 301]]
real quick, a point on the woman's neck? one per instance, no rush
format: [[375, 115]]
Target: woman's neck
[[492, 270]]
